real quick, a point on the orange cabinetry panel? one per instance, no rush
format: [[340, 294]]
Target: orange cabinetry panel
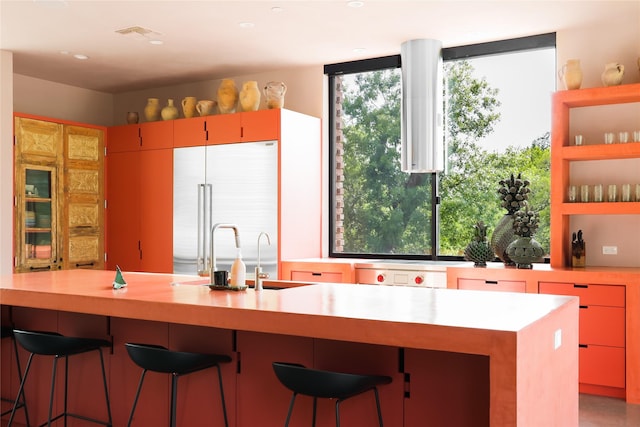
[[190, 132], [602, 365], [144, 136], [491, 285], [140, 211], [123, 206], [311, 276], [602, 331], [605, 295]]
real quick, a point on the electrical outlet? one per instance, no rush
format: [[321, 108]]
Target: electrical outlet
[[557, 339], [610, 250]]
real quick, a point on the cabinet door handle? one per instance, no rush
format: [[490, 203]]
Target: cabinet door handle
[[580, 286], [491, 282], [86, 264], [48, 267], [583, 306], [316, 274], [583, 345]]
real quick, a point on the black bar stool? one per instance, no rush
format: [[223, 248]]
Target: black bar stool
[[156, 358], [326, 385], [20, 402], [58, 346]]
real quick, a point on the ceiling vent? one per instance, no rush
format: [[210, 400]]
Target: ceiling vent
[[138, 33], [422, 106]]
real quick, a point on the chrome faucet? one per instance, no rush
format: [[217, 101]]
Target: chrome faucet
[[260, 276], [213, 243]]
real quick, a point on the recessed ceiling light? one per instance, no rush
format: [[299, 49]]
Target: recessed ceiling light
[[80, 56], [355, 3], [359, 50], [156, 42], [277, 9], [64, 52], [247, 25]]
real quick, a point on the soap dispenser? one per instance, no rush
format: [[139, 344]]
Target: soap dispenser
[[238, 271]]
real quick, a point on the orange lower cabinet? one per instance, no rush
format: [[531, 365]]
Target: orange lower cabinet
[[491, 285], [602, 325], [309, 276], [604, 366]]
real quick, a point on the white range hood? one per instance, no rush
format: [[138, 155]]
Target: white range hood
[[422, 106]]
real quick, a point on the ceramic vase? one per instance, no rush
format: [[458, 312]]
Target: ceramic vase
[[189, 106], [227, 96], [524, 251], [152, 110], [205, 107], [132, 117], [571, 74], [250, 96], [503, 235], [274, 94], [612, 74], [169, 112]]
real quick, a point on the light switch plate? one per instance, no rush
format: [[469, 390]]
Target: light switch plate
[[610, 250], [557, 339]]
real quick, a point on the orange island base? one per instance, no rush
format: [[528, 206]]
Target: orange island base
[[457, 358]]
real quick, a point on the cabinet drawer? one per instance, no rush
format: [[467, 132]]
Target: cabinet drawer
[[602, 325], [491, 285], [311, 276], [604, 295], [603, 366]]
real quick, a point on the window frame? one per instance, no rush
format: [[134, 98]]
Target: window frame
[[541, 41]]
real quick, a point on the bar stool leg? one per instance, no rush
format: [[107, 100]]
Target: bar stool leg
[[338, 412], [224, 405], [375, 390], [106, 388], [135, 400], [174, 399], [20, 390], [22, 403], [293, 399], [315, 411]]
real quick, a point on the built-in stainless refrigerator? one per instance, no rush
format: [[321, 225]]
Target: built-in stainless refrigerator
[[226, 183]]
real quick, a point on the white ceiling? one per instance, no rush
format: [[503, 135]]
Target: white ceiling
[[203, 40]]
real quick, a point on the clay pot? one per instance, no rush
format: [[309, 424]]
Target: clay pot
[[274, 94], [152, 110], [612, 74], [132, 117], [170, 112], [205, 107], [227, 96], [571, 74], [250, 96], [189, 106]]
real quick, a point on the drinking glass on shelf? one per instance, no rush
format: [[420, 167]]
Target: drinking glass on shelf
[[626, 192], [612, 193], [623, 137], [584, 193], [573, 193], [637, 193], [579, 139], [609, 137], [597, 193], [636, 136]]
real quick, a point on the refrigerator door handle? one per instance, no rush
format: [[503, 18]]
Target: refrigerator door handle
[[208, 224], [202, 265]]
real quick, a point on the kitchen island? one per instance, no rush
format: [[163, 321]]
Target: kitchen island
[[521, 351]]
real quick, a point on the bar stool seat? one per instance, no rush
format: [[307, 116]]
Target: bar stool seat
[[326, 384], [7, 332], [60, 346], [159, 359]]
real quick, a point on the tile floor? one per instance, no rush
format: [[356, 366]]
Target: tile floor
[[597, 411]]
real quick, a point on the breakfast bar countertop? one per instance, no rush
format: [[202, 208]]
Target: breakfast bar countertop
[[523, 334]]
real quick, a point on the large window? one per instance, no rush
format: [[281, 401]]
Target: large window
[[497, 122]]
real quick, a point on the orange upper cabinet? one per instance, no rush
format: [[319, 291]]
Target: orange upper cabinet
[[190, 132], [244, 127], [144, 136]]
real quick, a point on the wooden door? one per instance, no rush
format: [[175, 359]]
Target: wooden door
[[82, 200]]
